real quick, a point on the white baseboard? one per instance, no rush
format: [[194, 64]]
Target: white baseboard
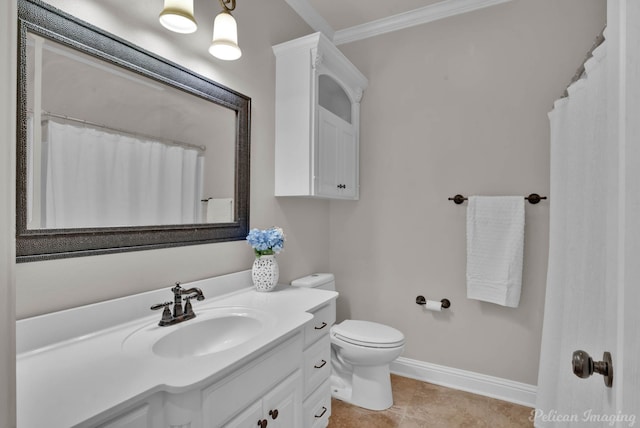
[[489, 386]]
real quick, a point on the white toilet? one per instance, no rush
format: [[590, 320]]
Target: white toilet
[[361, 352]]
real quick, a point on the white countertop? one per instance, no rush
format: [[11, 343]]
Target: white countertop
[[68, 382]]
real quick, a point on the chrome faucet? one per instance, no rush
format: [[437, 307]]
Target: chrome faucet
[[179, 313]]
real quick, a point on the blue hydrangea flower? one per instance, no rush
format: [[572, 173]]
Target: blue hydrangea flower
[[265, 242]]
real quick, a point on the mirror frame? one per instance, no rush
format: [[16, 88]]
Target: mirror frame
[[42, 244]]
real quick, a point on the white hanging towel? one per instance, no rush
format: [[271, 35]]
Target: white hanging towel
[[495, 242], [219, 210]]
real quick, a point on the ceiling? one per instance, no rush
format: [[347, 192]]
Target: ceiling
[[345, 21]]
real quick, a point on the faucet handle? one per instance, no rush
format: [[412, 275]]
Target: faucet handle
[[166, 313], [161, 305], [188, 309]]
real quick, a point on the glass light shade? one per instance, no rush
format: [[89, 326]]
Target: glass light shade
[[225, 38], [177, 16]]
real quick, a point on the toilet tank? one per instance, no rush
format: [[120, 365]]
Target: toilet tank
[[323, 281]]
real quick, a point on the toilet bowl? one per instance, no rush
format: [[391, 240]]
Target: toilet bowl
[[361, 352]]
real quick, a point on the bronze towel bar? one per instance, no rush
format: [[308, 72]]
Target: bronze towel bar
[[533, 198]]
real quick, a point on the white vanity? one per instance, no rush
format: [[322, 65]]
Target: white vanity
[[248, 359]]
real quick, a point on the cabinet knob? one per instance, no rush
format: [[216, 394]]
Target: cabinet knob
[[273, 413], [262, 423]]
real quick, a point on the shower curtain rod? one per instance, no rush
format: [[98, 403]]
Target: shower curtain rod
[[122, 131]]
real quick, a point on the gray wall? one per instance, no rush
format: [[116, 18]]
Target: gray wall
[[456, 106]]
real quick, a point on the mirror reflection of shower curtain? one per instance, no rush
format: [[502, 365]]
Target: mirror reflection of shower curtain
[[93, 178]]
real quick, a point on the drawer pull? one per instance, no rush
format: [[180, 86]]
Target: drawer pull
[[324, 324], [321, 365], [273, 413], [324, 410], [262, 423]]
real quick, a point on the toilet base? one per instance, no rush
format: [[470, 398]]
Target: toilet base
[[368, 387]]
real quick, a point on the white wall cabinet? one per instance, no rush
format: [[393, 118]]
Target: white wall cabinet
[[318, 93]]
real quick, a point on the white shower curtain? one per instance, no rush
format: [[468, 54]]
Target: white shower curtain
[[580, 248], [97, 178]]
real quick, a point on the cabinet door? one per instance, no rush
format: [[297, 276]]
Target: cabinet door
[[138, 418], [282, 407], [337, 156], [250, 418], [348, 163]]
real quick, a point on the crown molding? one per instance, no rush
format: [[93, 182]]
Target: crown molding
[[311, 17], [408, 19], [430, 13]]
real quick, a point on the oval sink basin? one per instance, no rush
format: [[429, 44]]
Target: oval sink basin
[[208, 336], [213, 330]]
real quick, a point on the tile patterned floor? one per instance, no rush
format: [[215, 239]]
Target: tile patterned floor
[[424, 405]]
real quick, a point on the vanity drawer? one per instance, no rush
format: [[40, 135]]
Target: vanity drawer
[[317, 407], [323, 319], [317, 364]]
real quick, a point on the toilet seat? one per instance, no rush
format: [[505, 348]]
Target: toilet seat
[[368, 334]]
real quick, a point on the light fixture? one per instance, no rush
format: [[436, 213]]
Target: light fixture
[[177, 16], [225, 34]]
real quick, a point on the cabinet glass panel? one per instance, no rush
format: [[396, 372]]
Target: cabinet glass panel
[[334, 98]]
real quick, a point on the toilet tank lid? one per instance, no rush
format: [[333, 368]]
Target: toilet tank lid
[[313, 280]]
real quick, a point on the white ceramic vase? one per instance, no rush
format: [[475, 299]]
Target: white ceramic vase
[[265, 272]]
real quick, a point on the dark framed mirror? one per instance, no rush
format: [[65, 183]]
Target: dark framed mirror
[[120, 149]]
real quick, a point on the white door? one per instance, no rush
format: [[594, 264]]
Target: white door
[[624, 19], [594, 261]]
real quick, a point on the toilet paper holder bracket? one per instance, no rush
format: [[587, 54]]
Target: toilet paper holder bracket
[[446, 303]]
